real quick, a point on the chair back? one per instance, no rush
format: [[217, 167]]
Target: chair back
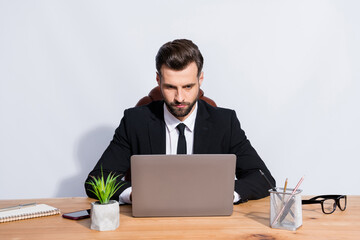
[[155, 95]]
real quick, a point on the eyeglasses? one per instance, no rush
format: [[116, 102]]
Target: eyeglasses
[[328, 202]]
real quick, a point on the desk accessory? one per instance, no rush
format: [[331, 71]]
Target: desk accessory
[[279, 212], [292, 202], [25, 211], [276, 191], [105, 214], [17, 207], [285, 185]]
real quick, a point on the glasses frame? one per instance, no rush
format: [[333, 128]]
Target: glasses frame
[[337, 198]]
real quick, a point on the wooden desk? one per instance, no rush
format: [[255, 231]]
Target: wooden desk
[[249, 221]]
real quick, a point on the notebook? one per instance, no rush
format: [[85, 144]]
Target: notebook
[[38, 210], [182, 185]]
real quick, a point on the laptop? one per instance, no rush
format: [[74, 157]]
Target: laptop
[[182, 185]]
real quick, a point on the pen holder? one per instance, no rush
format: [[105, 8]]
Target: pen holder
[[285, 209]]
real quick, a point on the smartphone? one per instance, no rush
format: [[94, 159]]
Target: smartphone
[[77, 215]]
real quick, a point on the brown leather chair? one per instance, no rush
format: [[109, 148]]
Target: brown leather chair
[[155, 95]]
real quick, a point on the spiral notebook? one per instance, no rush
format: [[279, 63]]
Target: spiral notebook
[[38, 210]]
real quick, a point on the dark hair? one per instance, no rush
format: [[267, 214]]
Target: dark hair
[[178, 54]]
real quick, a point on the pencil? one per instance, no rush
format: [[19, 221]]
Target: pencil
[[286, 181]]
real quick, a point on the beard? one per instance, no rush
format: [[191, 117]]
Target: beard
[[180, 112]]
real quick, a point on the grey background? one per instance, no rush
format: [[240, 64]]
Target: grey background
[[68, 70]]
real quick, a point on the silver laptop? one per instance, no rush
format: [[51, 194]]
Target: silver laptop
[[182, 185]]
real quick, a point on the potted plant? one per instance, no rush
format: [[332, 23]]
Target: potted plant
[[105, 213]]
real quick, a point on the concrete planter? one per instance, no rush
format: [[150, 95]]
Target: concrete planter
[[105, 217]]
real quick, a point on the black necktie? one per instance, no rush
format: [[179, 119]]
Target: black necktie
[[181, 147]]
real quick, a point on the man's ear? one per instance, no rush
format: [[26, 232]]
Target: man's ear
[[158, 78], [201, 78]]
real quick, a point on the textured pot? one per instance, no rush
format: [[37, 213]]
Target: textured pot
[[105, 217]]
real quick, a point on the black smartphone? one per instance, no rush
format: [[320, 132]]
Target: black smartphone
[[77, 215]]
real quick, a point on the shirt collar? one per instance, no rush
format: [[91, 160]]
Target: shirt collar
[[171, 121]]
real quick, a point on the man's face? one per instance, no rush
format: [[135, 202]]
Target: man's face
[[180, 89]]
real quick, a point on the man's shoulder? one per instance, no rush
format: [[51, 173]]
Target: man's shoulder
[[224, 118], [214, 110], [153, 108]]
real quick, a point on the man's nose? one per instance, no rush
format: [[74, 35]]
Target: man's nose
[[179, 96]]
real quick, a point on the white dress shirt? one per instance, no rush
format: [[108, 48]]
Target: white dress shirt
[[172, 133], [172, 136]]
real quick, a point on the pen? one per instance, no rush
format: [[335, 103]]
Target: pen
[[17, 207], [270, 184]]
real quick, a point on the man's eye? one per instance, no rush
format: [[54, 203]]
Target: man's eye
[[188, 87]]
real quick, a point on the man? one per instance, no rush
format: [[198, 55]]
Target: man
[[153, 129]]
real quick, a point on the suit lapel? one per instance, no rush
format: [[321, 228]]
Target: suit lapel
[[156, 129], [202, 130]]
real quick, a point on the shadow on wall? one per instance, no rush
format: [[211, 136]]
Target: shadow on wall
[[89, 150]]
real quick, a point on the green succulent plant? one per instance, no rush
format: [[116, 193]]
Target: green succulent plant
[[102, 189]]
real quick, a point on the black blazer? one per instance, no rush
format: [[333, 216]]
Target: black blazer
[[217, 131]]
